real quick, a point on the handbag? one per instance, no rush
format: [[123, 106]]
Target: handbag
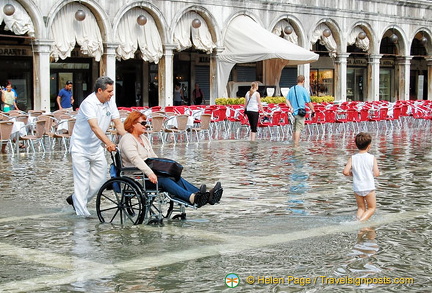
[[301, 111], [165, 167], [245, 109]]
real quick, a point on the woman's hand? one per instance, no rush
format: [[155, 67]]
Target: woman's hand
[[153, 178]]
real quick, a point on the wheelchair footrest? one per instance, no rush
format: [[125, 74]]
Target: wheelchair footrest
[[181, 202]]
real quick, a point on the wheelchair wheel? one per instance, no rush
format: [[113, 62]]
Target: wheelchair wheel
[[120, 201]]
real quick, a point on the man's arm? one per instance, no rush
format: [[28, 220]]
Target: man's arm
[[119, 126], [59, 102], [110, 146], [311, 106], [289, 104]]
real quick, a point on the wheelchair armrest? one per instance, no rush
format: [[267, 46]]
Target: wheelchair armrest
[[130, 169]]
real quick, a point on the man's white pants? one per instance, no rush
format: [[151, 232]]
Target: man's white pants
[[89, 172]]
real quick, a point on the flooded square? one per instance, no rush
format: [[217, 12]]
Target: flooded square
[[285, 222]]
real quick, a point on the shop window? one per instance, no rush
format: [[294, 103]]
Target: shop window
[[321, 82], [385, 84]]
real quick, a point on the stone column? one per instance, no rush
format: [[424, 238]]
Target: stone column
[[403, 77], [429, 78], [108, 64], [41, 78], [304, 69], [373, 74], [165, 77], [340, 76], [213, 74]]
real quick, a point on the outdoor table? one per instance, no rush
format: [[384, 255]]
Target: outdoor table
[[172, 122], [62, 126], [18, 130]]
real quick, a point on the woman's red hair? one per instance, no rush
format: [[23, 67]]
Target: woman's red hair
[[131, 119]]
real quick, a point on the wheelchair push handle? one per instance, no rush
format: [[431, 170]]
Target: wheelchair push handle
[[111, 147]]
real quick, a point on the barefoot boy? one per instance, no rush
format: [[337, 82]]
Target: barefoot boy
[[363, 167]]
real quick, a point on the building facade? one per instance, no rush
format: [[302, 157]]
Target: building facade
[[368, 50]]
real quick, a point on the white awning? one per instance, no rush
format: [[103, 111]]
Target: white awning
[[185, 35], [19, 22], [147, 37], [67, 31], [246, 41]]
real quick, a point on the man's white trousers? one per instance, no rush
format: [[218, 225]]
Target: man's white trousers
[[89, 172]]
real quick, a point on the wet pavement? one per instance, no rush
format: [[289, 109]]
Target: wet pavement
[[285, 223]]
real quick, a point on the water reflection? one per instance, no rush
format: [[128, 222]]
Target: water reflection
[[298, 183], [361, 262]]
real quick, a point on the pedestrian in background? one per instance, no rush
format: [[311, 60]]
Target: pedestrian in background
[[178, 95], [9, 98], [252, 107], [65, 98], [197, 95], [297, 99]]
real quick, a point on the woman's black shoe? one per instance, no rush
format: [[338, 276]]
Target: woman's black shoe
[[203, 188], [215, 193], [201, 199]]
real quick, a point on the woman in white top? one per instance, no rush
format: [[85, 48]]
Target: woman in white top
[[252, 107]]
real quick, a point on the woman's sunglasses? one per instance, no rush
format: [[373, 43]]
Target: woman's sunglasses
[[143, 123]]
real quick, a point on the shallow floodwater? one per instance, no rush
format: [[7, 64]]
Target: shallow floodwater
[[285, 223]]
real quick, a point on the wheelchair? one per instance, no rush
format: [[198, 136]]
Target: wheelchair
[[124, 199]]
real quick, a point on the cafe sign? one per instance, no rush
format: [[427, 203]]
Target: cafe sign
[[15, 51], [357, 62]]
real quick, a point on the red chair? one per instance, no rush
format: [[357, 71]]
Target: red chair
[[244, 123], [285, 122], [139, 108], [271, 121], [353, 119], [180, 110], [364, 117], [320, 118], [310, 121], [330, 117], [169, 109], [234, 114], [379, 115], [421, 112], [219, 120], [342, 116], [394, 115]]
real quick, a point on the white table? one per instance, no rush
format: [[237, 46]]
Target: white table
[[172, 122], [196, 114], [18, 130], [63, 125]]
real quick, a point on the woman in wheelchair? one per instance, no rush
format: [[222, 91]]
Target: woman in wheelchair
[[135, 148]]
